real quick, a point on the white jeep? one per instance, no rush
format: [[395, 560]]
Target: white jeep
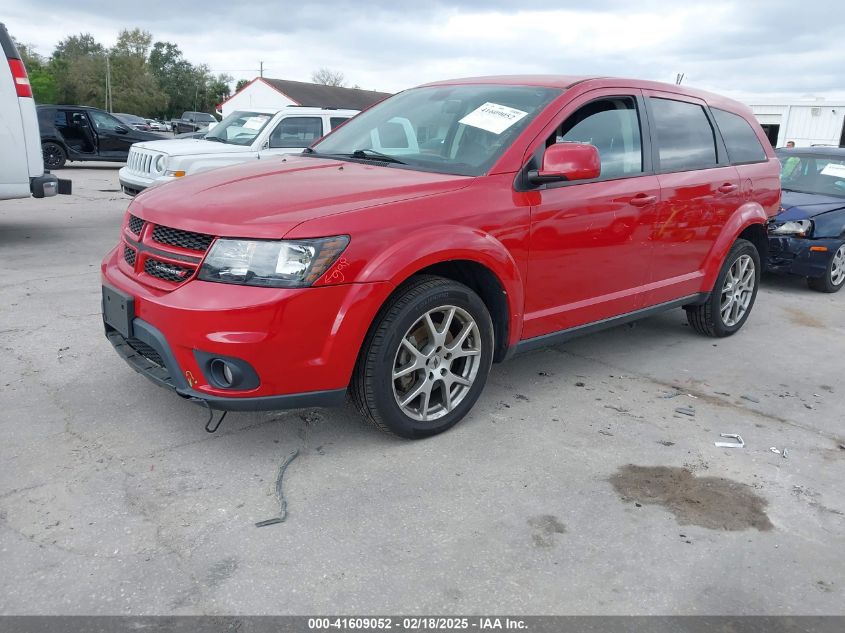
[[242, 136]]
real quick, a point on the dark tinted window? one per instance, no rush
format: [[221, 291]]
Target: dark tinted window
[[296, 132], [685, 137], [740, 140], [613, 127], [338, 120], [60, 120]]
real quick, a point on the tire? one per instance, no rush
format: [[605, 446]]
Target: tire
[[834, 277], [403, 356], [729, 304], [54, 155]]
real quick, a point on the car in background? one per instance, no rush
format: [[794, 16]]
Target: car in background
[[242, 136], [807, 237], [139, 123], [158, 126], [192, 122], [83, 133], [21, 167], [371, 268]]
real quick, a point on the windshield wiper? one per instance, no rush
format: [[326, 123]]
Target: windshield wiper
[[371, 153], [216, 139]]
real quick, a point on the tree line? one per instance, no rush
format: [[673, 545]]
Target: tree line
[[148, 79]]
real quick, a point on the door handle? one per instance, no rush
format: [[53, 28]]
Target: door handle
[[642, 200], [728, 187]]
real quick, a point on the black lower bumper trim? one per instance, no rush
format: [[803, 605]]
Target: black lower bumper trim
[[308, 399], [149, 354]]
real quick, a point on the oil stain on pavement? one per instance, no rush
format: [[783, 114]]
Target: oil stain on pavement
[[715, 503], [544, 528]]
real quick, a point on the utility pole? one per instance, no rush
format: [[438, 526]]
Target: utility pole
[[260, 69], [108, 86]]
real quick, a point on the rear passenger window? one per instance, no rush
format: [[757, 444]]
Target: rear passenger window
[[740, 140], [685, 138], [613, 127], [60, 120], [337, 120]]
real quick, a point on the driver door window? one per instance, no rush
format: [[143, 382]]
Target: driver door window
[[104, 122], [613, 127], [296, 132]]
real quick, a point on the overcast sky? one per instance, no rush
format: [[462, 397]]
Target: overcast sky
[[740, 48]]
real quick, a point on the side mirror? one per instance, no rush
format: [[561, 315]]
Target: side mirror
[[120, 129], [566, 162]]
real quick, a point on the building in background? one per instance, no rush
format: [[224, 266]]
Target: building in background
[[262, 92], [805, 121]]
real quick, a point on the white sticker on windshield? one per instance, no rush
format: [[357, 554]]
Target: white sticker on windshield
[[493, 117], [255, 122], [832, 169]]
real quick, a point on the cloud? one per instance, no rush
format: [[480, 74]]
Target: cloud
[[776, 47]]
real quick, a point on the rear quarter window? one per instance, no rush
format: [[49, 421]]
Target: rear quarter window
[[740, 140]]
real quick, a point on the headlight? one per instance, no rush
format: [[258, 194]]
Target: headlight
[[801, 228], [277, 264], [160, 163]]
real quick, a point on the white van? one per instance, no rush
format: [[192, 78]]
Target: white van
[[241, 137], [21, 163]]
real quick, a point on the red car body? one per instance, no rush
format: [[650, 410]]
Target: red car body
[[549, 263]]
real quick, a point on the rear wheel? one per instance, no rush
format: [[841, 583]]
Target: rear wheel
[[729, 304], [834, 277], [54, 155], [426, 360]]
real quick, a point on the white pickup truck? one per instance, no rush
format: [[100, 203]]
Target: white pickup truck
[[240, 137]]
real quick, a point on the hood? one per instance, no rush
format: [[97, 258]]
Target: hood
[[191, 147], [801, 206], [268, 198]]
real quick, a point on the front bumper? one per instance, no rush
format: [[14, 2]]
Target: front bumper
[[301, 343], [133, 184], [800, 255]]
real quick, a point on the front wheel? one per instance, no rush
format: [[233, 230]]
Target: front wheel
[[834, 277], [426, 359], [54, 155], [729, 304]]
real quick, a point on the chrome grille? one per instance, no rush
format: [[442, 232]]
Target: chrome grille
[[140, 161]]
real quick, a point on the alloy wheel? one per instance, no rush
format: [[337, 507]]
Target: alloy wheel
[[437, 363], [738, 290], [837, 267], [52, 155]]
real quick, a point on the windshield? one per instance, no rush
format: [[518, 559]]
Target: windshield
[[819, 174], [449, 129], [239, 128]]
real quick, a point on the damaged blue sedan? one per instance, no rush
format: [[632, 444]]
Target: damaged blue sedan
[[807, 237]]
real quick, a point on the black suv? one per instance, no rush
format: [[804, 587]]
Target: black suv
[[85, 133]]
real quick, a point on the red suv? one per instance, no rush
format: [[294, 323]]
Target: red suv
[[444, 229]]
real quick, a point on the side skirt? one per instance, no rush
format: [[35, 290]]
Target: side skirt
[[562, 336]]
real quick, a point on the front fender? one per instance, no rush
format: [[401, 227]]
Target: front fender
[[747, 214], [435, 245]]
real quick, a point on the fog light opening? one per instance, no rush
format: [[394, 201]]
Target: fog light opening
[[224, 374]]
